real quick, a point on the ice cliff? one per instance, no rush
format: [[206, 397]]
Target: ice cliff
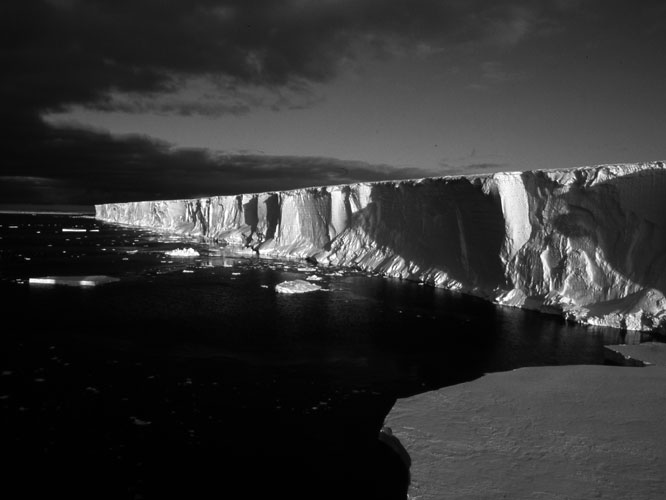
[[589, 243]]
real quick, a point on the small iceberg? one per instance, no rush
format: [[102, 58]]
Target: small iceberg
[[314, 277], [73, 230], [296, 286], [183, 252], [73, 280]]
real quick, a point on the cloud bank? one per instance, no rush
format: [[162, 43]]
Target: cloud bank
[[141, 55]]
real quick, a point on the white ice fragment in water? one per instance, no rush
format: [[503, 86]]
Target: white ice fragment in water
[[93, 230], [72, 280], [264, 286], [313, 277], [188, 271], [73, 230], [183, 252], [306, 269], [296, 286], [235, 274], [138, 421]]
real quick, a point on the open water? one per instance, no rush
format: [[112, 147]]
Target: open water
[[193, 378]]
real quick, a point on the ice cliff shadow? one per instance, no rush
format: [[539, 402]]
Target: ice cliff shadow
[[622, 217], [453, 227], [459, 227]]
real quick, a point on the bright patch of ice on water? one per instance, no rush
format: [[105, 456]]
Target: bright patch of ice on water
[[72, 280], [183, 252], [296, 286]]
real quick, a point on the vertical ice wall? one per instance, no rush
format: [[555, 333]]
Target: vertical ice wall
[[588, 242]]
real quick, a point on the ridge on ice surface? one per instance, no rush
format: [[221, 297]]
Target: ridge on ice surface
[[588, 243]]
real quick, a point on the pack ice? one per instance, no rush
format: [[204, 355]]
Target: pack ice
[[588, 243]]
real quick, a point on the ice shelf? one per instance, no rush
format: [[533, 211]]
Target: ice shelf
[[588, 243]]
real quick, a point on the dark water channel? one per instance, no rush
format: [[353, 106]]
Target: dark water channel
[[193, 378]]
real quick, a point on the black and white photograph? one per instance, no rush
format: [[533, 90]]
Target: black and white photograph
[[333, 249]]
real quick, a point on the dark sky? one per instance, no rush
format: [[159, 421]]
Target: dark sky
[[113, 100]]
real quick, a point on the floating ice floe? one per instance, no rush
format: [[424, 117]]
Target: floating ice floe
[[73, 230], [296, 286], [183, 252], [73, 280], [314, 277], [139, 422]]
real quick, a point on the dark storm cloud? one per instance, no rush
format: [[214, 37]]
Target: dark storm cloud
[[69, 165], [77, 51], [59, 53]]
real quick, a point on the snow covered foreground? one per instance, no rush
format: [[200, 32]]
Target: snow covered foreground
[[588, 243], [567, 432]]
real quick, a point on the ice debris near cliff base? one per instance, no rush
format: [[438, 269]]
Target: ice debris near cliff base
[[588, 243], [183, 252], [296, 286]]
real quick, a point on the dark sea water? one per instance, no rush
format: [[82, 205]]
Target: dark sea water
[[193, 378]]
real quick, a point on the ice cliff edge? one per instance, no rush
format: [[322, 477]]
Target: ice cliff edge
[[589, 242]]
